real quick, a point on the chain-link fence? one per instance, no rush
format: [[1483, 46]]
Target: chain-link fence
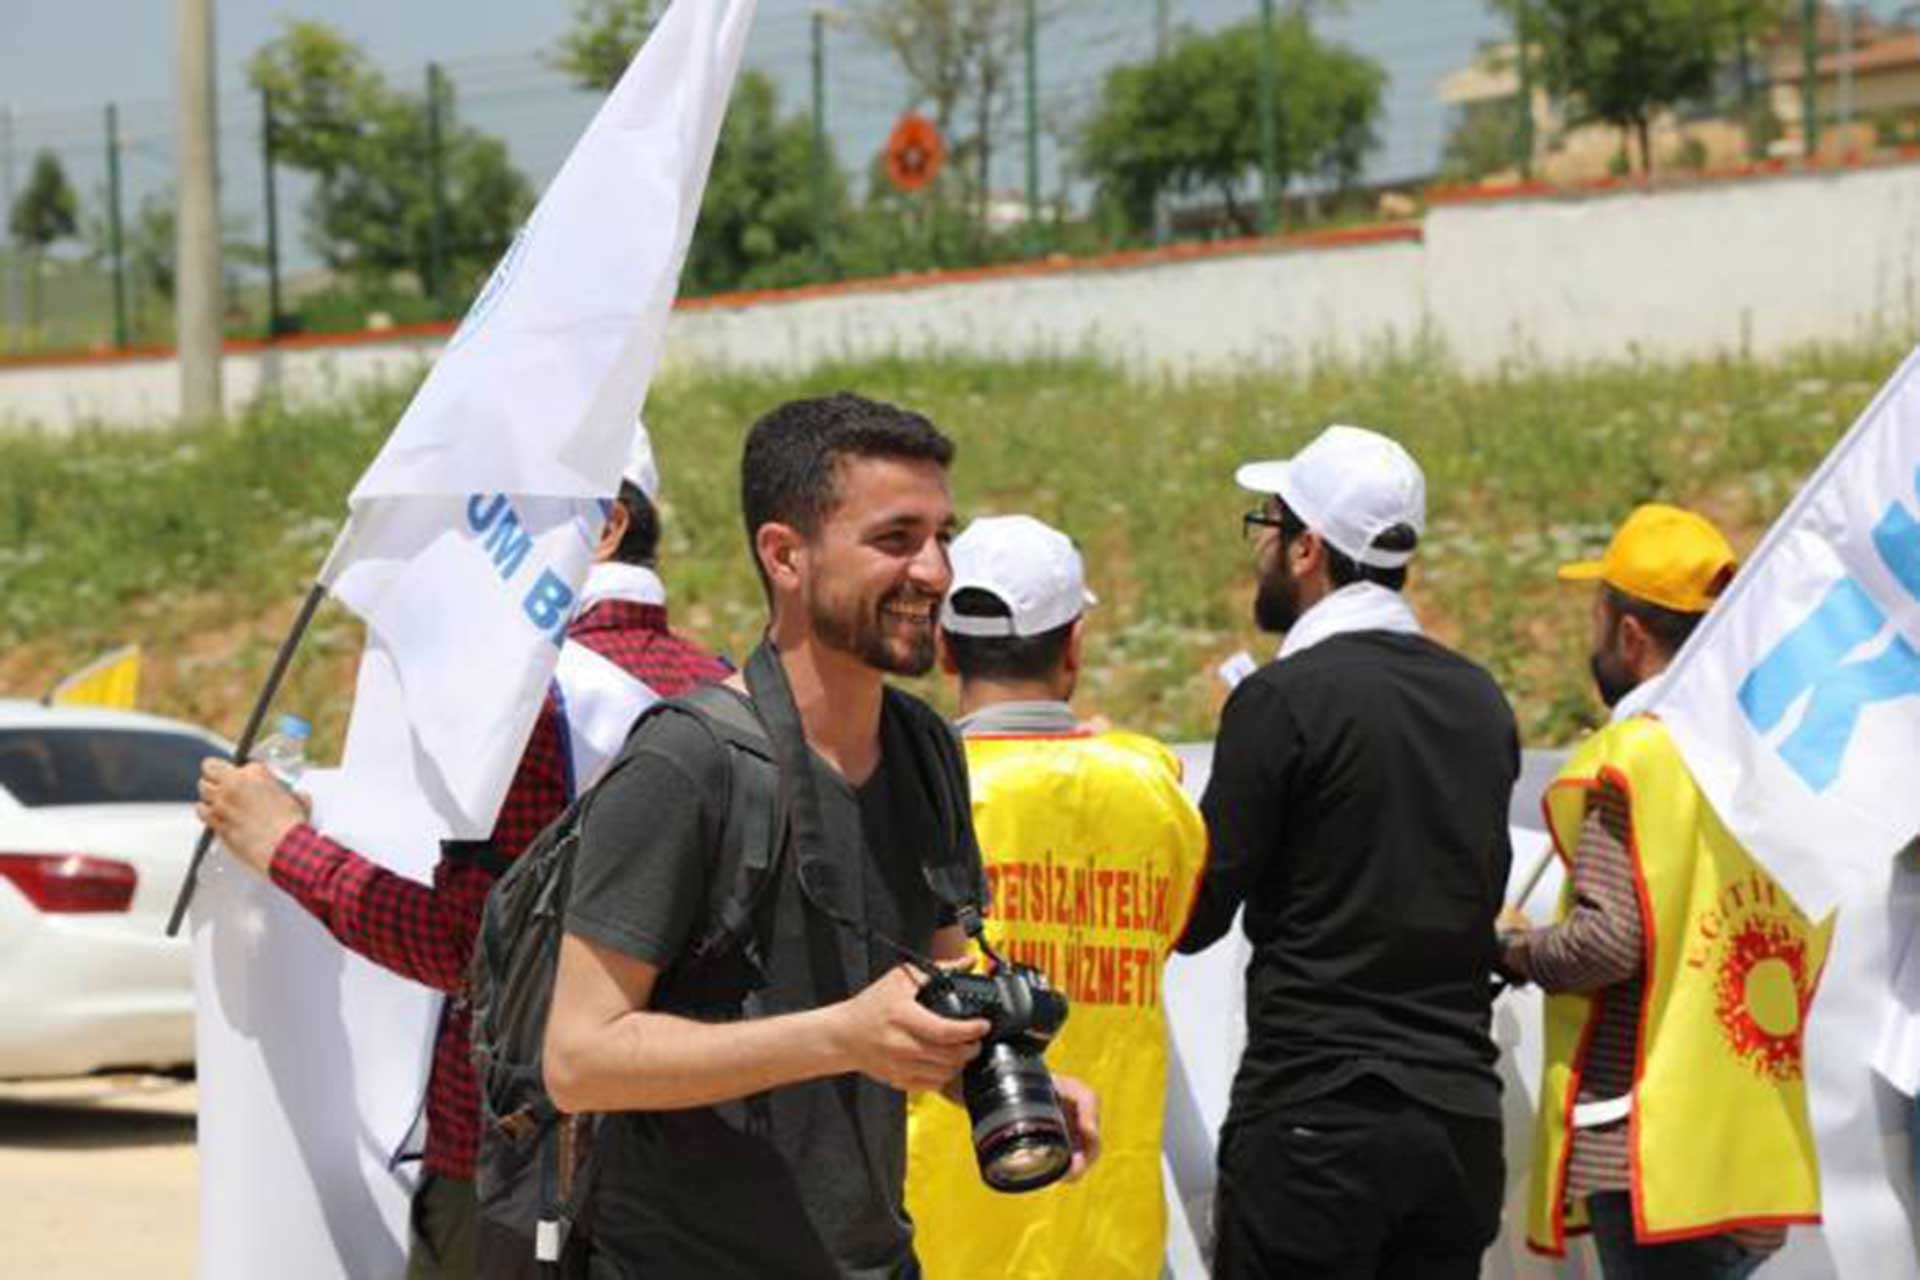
[[339, 221]]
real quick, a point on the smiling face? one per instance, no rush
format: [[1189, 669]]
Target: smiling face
[[875, 572]]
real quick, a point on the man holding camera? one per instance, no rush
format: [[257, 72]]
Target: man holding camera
[[1092, 850], [1358, 806], [773, 1142]]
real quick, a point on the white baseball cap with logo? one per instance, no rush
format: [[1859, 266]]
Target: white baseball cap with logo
[[1349, 485], [641, 471], [1028, 566]]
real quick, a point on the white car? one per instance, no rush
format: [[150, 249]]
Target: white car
[[96, 830]]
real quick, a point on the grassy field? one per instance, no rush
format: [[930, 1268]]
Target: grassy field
[[198, 543]]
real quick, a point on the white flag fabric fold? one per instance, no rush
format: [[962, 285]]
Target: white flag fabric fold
[[471, 531], [1797, 703]]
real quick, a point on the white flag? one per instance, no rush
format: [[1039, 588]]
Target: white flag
[[1797, 708], [465, 551], [473, 528]]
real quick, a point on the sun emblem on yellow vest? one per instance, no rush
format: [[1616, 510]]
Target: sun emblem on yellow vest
[[1763, 978]]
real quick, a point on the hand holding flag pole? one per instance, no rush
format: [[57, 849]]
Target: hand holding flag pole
[[277, 673]]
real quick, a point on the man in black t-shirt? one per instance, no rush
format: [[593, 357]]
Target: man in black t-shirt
[[1357, 806], [774, 1144]]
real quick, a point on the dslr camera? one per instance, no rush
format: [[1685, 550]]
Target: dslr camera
[[1020, 1136]]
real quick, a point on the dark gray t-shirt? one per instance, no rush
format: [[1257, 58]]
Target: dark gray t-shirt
[[805, 1180]]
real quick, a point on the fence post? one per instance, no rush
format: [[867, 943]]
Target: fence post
[[1810, 78], [115, 247], [1523, 63], [269, 140], [1269, 124], [14, 321], [822, 232], [437, 226], [1034, 233]]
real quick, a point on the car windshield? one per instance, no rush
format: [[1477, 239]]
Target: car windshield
[[41, 767]]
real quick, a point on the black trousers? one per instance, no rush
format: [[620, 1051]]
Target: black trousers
[[1361, 1183]]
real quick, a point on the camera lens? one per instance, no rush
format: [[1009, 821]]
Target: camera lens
[[1019, 1134]]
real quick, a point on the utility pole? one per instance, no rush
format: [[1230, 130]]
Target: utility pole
[[1033, 127], [269, 139], [1809, 78], [14, 321], [1162, 27], [1523, 64], [1269, 125], [115, 249], [197, 302], [436, 281]]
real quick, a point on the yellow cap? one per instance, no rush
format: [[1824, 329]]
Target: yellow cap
[[1665, 556]]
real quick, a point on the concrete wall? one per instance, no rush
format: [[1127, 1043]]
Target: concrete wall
[[1761, 265]]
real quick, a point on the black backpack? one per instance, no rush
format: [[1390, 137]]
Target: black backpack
[[535, 1164]]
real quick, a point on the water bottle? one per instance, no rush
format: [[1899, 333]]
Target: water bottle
[[284, 751]]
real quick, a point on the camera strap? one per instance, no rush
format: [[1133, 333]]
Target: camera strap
[[799, 800]]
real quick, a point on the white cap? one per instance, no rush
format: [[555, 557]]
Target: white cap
[[1029, 567], [642, 472], [1349, 485]]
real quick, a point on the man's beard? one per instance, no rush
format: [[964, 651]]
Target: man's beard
[[1610, 676], [882, 641], [1276, 604]]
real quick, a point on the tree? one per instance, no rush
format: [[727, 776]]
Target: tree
[[961, 57], [1190, 121], [602, 41], [46, 211], [148, 243], [368, 147], [1625, 61], [757, 224], [1481, 140]]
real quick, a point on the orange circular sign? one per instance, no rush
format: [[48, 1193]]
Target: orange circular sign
[[913, 153]]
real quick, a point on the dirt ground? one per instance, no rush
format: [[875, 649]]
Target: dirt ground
[[97, 1179]]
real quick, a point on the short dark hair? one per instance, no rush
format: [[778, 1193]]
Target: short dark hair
[[1002, 657], [1668, 627], [788, 469], [1342, 569], [640, 544]]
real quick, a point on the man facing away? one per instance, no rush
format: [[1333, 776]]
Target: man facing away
[[773, 1143], [619, 655], [1673, 1112], [1092, 851], [1358, 807]]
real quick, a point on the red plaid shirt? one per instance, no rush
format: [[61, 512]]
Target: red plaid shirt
[[427, 933]]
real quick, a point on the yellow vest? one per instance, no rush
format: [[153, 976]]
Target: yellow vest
[[1719, 1135], [1092, 853]]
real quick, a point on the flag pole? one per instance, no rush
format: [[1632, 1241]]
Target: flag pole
[[1532, 881], [281, 661]]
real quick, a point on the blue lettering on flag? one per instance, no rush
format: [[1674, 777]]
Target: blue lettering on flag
[[549, 604], [478, 517], [1813, 657], [1897, 539]]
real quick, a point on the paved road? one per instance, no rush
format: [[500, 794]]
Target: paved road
[[97, 1180]]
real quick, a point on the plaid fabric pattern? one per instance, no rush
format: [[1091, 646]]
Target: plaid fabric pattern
[[427, 932]]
